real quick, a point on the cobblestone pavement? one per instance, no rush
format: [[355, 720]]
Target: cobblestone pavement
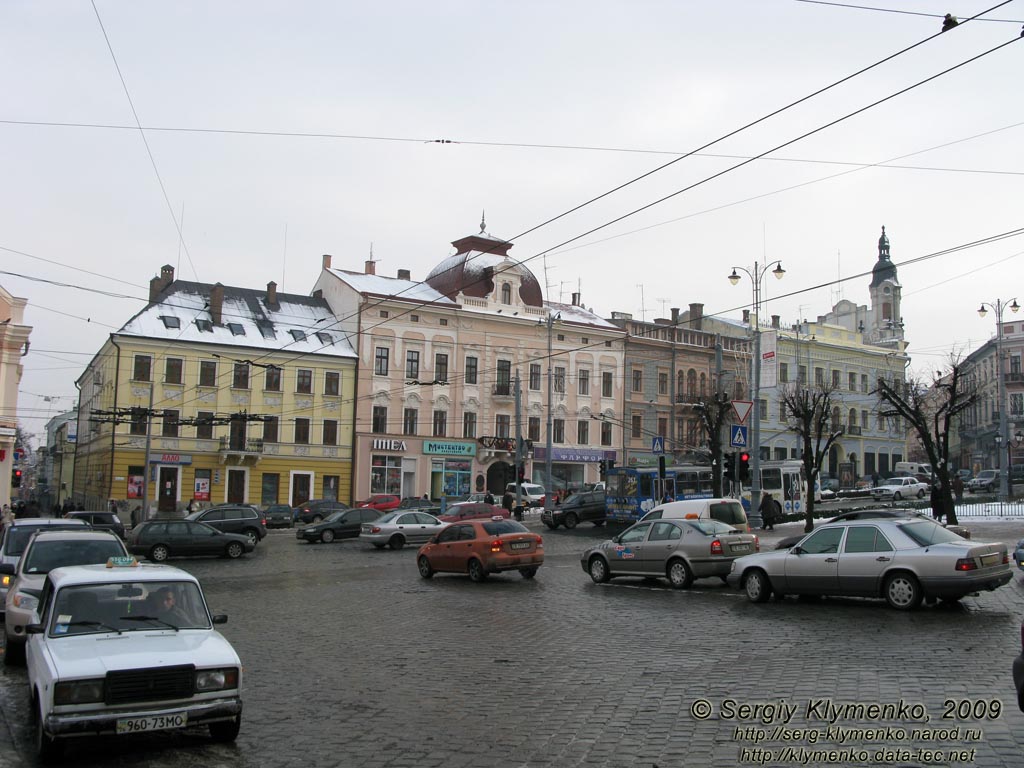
[[352, 660]]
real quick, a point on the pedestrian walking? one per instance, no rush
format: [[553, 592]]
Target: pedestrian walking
[[489, 498], [508, 501], [767, 510], [936, 502], [958, 488]]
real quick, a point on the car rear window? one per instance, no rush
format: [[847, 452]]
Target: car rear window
[[505, 526], [47, 555], [925, 532], [728, 512], [712, 527], [18, 536]]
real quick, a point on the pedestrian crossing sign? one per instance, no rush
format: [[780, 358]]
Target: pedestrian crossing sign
[[738, 436]]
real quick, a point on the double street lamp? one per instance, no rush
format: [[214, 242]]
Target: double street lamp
[[1002, 435], [756, 277]]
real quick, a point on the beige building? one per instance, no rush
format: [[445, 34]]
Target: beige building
[[13, 346]]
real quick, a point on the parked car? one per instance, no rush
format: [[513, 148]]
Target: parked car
[[897, 488], [161, 539], [985, 482], [279, 516], [46, 550], [900, 560], [586, 507], [482, 547], [101, 521], [412, 502], [1018, 672], [383, 502], [1018, 554], [679, 550], [16, 536], [344, 524], [532, 493], [396, 529], [471, 510], [239, 519], [315, 510], [875, 514], [728, 511], [166, 668]]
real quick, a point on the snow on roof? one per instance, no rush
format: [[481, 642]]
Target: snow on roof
[[379, 285], [575, 314], [295, 324]]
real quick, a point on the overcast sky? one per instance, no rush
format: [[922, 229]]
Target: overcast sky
[[611, 89]]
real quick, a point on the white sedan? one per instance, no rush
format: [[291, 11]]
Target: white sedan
[[897, 488]]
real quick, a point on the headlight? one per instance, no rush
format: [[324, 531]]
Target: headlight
[[27, 602], [216, 679], [6, 581], [78, 691]]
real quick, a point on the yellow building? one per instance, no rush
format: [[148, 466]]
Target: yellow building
[[225, 394]]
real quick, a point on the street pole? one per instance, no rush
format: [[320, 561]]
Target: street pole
[[146, 471], [1002, 437], [548, 486], [719, 456], [520, 453]]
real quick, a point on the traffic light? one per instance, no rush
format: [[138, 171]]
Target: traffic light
[[744, 467], [602, 469], [16, 478], [661, 466], [521, 474], [729, 470]]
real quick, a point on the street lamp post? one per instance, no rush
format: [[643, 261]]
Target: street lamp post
[[756, 276], [1001, 436]]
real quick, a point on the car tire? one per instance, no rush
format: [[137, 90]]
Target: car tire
[[896, 496], [14, 653], [252, 536], [902, 591], [225, 731], [551, 526], [476, 571], [528, 573], [757, 586], [679, 574], [234, 550], [47, 747], [159, 553], [570, 521], [397, 541], [598, 570], [327, 536], [426, 569], [920, 494]]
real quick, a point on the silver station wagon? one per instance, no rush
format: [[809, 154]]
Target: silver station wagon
[[678, 550], [903, 560]]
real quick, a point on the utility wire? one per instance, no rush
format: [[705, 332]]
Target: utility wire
[[897, 10]]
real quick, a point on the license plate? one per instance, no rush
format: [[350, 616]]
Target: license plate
[[155, 723], [520, 545], [991, 559], [740, 547]]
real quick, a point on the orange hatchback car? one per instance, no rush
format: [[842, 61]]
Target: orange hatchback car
[[482, 547]]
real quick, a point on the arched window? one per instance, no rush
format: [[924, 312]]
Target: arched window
[[835, 418], [853, 417], [703, 384], [506, 293], [680, 383], [691, 382]]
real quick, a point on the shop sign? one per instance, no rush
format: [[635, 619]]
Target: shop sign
[[573, 454], [388, 445], [642, 460], [171, 458], [499, 443], [448, 449]]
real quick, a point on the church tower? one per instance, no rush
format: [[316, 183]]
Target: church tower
[[886, 319]]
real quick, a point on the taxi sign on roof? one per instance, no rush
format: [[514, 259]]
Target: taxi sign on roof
[[122, 562]]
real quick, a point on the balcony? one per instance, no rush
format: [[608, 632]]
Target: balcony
[[1014, 378], [502, 390], [853, 429], [237, 451]]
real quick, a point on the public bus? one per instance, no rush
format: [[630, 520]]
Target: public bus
[[631, 492], [787, 483]]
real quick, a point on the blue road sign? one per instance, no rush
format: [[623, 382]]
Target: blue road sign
[[657, 444], [738, 436]]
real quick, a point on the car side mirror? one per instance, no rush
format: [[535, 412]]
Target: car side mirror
[[797, 550], [220, 618], [7, 568], [34, 629], [433, 539]]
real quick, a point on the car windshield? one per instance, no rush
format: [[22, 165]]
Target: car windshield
[[44, 556], [505, 526], [925, 532], [712, 527], [128, 607], [18, 536]]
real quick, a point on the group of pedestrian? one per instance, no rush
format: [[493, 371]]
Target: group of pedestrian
[[771, 512]]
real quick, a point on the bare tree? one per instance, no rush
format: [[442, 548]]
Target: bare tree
[[809, 415], [932, 411], [713, 412]]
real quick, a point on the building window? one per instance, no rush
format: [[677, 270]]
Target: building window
[[302, 431], [692, 432], [583, 377], [836, 377], [385, 314], [440, 367], [663, 427], [386, 474], [801, 374], [414, 318], [240, 380], [204, 425], [270, 482], [143, 363], [330, 432], [1016, 405], [440, 423], [410, 417], [561, 337], [503, 425], [582, 432], [272, 379], [380, 361], [412, 364], [533, 429], [763, 408], [270, 424], [443, 321], [606, 433], [332, 383], [380, 420], [506, 293], [558, 431], [703, 384], [535, 376], [304, 381], [504, 386], [471, 364], [173, 370], [691, 383], [865, 421], [784, 373], [468, 424], [662, 383], [559, 384], [140, 421], [852, 383], [819, 377], [864, 382], [853, 417], [207, 373], [637, 426], [170, 424], [638, 381], [606, 383]]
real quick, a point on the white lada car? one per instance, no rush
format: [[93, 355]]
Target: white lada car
[[127, 648]]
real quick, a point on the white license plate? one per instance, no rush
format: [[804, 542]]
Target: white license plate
[[740, 547], [520, 545], [991, 559], [155, 723]]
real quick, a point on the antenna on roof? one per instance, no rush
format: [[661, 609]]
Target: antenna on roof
[[284, 257], [483, 222], [643, 307]]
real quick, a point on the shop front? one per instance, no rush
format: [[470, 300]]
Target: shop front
[[571, 468], [451, 467], [412, 467]]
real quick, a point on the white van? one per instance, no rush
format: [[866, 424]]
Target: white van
[[533, 495], [913, 468], [728, 511]]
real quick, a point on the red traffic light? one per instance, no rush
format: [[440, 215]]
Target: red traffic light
[[744, 457]]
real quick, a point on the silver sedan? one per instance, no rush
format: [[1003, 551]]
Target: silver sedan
[[401, 527], [679, 550], [903, 560]]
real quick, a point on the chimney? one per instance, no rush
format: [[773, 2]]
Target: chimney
[[746, 317], [216, 303], [697, 317], [371, 267], [327, 261], [404, 274], [271, 294], [675, 315], [576, 299], [775, 321], [158, 284], [318, 294]]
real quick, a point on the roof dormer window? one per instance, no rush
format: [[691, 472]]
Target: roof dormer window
[[506, 293], [297, 335], [204, 325], [170, 321], [236, 329]]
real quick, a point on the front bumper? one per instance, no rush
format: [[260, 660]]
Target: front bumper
[[105, 721]]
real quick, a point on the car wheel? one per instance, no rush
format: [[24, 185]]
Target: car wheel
[[234, 550], [920, 494], [903, 592], [598, 569], [679, 574], [14, 653], [159, 553], [552, 526], [317, 519], [896, 496], [571, 520], [396, 542], [327, 536], [426, 570], [226, 730], [47, 747], [598, 523], [252, 536], [757, 586], [528, 573], [476, 571]]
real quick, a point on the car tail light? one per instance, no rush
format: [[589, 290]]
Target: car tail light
[[716, 547], [375, 529], [757, 544], [966, 564], [496, 545], [1006, 558], [540, 542]]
